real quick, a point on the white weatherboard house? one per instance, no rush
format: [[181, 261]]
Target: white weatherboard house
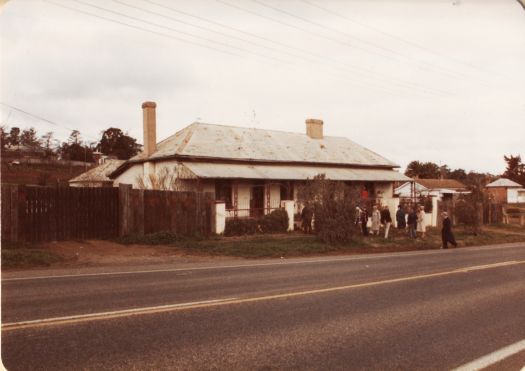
[[252, 170]]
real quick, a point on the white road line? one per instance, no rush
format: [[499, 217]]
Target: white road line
[[112, 314], [493, 357], [216, 267], [229, 301]]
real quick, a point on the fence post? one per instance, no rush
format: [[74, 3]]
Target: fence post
[[125, 221], [218, 217], [139, 212], [14, 213]]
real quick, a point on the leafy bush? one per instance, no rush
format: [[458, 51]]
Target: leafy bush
[[334, 206], [275, 222], [240, 226]]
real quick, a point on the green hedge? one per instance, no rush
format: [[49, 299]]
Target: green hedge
[[275, 222]]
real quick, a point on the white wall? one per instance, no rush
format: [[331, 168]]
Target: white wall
[[130, 176], [512, 195]]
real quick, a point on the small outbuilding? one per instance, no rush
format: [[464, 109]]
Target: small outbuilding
[[506, 191]]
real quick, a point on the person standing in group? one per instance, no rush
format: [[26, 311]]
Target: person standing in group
[[446, 232], [421, 227], [376, 220], [357, 218], [412, 222], [306, 215], [364, 221], [400, 217], [386, 219]]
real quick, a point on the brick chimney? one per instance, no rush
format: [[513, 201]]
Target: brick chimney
[[314, 128], [150, 127]]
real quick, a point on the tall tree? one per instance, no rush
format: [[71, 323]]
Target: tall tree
[[75, 150], [4, 137], [14, 136], [29, 138], [422, 170], [515, 169], [115, 143], [49, 143]]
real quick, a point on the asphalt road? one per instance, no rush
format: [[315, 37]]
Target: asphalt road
[[426, 310]]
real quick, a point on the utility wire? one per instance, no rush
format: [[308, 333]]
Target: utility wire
[[145, 29], [320, 36], [41, 118], [387, 50], [178, 31], [398, 38], [155, 24], [323, 59]]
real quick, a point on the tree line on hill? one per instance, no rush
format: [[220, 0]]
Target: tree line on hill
[[113, 142], [515, 170]]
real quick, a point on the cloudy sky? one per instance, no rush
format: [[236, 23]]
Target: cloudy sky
[[428, 80]]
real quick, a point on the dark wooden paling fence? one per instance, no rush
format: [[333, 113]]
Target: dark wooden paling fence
[[45, 214]]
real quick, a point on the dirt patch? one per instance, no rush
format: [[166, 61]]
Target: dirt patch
[[101, 253]]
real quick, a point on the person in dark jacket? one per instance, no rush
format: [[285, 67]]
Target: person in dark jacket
[[400, 217], [364, 221], [306, 215], [446, 231], [386, 219], [412, 223]]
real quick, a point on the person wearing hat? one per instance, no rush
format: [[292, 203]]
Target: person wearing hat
[[446, 231]]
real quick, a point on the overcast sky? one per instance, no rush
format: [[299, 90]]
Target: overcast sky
[[434, 80]]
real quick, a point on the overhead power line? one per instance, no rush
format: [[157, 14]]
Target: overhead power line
[[388, 51], [42, 118], [322, 58], [398, 38], [178, 31], [367, 84], [362, 69]]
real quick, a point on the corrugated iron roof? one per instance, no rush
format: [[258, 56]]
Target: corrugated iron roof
[[504, 182], [287, 172], [99, 173], [240, 143], [440, 183]]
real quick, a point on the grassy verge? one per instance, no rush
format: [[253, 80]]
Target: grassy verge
[[28, 258], [297, 244]]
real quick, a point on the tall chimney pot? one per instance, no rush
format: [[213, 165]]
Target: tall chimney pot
[[314, 128], [150, 127]]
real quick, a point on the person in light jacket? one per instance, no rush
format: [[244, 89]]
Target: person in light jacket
[[376, 220], [421, 227]]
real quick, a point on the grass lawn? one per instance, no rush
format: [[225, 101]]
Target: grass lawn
[[21, 256], [298, 244]]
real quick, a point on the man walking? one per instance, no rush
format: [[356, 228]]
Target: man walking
[[446, 231]]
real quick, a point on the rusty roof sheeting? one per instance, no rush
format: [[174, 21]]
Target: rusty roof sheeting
[[240, 143], [289, 172], [99, 173]]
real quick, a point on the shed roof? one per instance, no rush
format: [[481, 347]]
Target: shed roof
[[240, 143], [286, 172], [504, 182], [99, 173], [441, 183]]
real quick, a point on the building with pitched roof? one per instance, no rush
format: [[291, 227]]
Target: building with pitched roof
[[506, 191], [253, 169], [441, 188]]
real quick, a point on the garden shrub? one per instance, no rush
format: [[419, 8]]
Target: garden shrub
[[240, 226], [275, 222]]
